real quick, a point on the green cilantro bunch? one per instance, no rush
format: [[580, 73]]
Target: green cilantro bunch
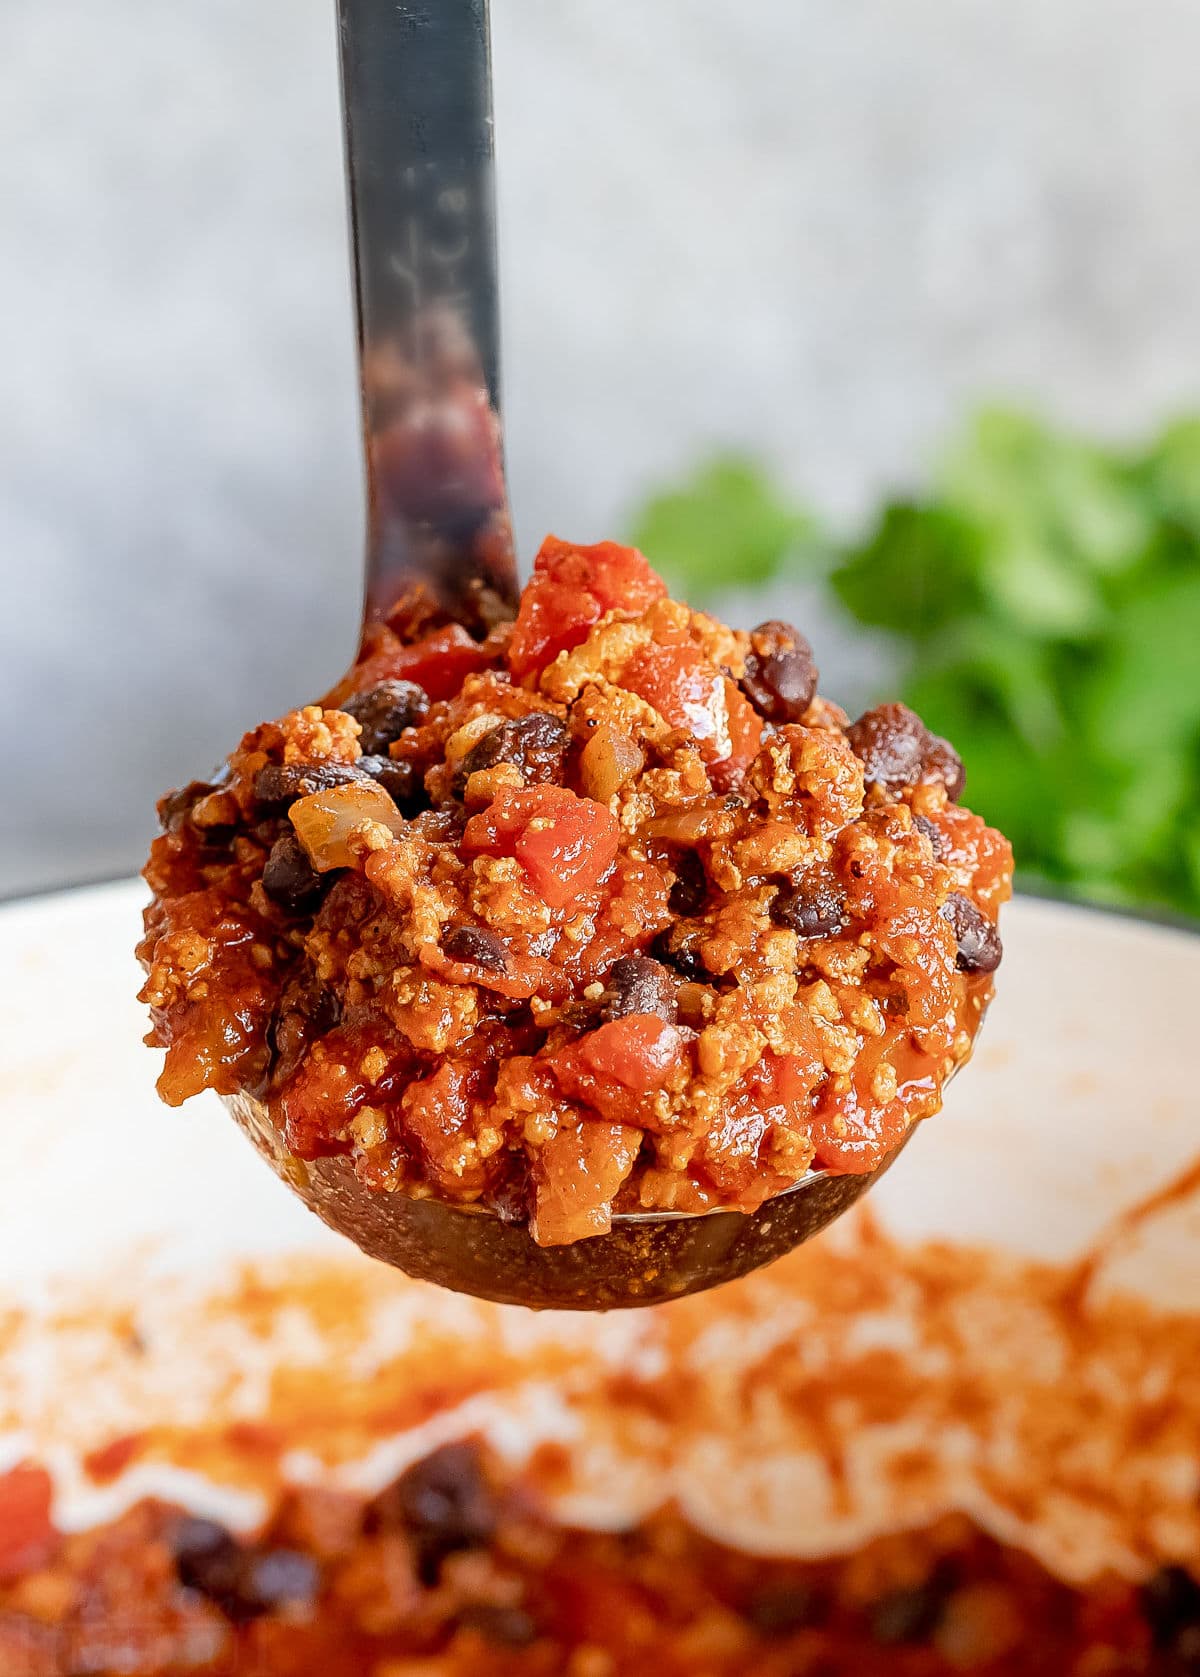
[[1043, 595]]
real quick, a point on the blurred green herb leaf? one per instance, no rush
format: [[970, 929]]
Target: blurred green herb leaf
[[1044, 595], [727, 526], [1147, 685], [918, 572]]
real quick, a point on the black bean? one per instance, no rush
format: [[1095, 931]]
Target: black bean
[[979, 946], [679, 948], [897, 750], [274, 1578], [196, 1542], [279, 784], [385, 711], [689, 893], [289, 878], [444, 1504], [306, 1010], [943, 763], [810, 904], [536, 744], [175, 807], [924, 825], [244, 1582], [636, 984], [475, 947], [891, 741], [910, 1615], [208, 1559], [780, 1609], [506, 1627], [1170, 1602], [398, 777], [781, 678]]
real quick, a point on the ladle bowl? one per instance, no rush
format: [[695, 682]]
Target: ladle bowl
[[646, 1258], [417, 100]]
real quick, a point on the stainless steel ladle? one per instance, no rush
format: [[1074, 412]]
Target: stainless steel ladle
[[416, 84]]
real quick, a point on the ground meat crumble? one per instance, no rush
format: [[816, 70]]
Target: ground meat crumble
[[601, 909]]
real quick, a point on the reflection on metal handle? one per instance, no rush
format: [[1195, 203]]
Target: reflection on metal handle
[[416, 90]]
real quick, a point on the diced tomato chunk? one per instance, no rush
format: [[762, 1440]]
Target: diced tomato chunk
[[437, 1113], [693, 695], [617, 1069], [330, 1087], [852, 1134], [787, 1080], [565, 843], [439, 662], [322, 1097], [686, 691], [27, 1534], [640, 1051], [571, 589], [774, 1095], [745, 738]]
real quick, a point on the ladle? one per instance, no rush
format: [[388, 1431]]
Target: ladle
[[416, 87]]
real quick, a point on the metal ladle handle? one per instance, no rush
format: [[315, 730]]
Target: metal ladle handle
[[417, 106]]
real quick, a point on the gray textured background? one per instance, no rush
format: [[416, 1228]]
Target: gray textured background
[[818, 228]]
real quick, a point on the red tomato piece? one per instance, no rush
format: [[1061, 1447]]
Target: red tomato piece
[[617, 1069], [571, 589], [852, 1133], [774, 1094], [439, 662], [745, 738], [728, 1155], [322, 1097], [686, 691], [437, 1113], [640, 1051], [693, 695], [329, 1088], [787, 1080], [566, 844], [27, 1535]]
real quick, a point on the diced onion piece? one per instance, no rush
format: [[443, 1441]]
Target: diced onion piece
[[325, 821], [609, 761]]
